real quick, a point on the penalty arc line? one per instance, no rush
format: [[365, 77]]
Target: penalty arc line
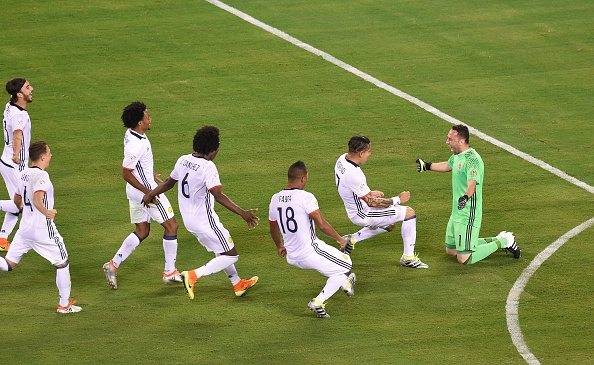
[[513, 298]]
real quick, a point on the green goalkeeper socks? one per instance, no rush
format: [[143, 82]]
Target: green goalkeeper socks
[[483, 250]]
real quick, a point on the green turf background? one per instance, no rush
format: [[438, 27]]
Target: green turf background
[[520, 71]]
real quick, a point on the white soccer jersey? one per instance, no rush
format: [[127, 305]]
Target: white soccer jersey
[[196, 176], [352, 186], [34, 225], [290, 208], [138, 158], [16, 118]]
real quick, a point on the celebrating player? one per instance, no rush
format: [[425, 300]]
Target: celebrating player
[[369, 209], [17, 137], [294, 214], [137, 171], [37, 232], [199, 188], [462, 233]]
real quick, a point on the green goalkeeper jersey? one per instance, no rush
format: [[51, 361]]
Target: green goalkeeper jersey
[[467, 165]]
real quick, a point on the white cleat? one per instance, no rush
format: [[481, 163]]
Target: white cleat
[[172, 277], [349, 286], [413, 262], [111, 273]]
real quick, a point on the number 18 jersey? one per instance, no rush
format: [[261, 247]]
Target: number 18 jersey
[[196, 176], [290, 208]]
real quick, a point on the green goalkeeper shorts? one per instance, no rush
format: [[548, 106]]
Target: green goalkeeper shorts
[[461, 236]]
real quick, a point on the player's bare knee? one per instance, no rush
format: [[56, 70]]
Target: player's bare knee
[[171, 226], [463, 259], [410, 212], [142, 230], [11, 265], [62, 264]]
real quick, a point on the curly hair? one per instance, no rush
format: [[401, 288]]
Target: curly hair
[[133, 113], [206, 140]]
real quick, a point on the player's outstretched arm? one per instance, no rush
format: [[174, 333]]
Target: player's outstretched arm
[[423, 165], [248, 215], [164, 186], [326, 227], [276, 237]]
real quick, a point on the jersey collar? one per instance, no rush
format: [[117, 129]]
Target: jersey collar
[[351, 162], [18, 106], [136, 134]]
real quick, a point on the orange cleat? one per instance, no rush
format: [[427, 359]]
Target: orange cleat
[[244, 284]]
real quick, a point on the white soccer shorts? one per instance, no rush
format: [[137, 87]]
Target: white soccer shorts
[[325, 259], [381, 217], [53, 250], [159, 212], [10, 176], [214, 237]]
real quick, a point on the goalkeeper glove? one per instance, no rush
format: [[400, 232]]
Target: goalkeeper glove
[[423, 166], [462, 201]]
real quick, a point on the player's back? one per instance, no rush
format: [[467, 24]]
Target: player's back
[[196, 176], [352, 186], [35, 225], [290, 208]]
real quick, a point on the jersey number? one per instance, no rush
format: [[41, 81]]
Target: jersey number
[[26, 201], [185, 187], [290, 219]]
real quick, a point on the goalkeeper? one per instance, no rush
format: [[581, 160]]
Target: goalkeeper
[[462, 233]]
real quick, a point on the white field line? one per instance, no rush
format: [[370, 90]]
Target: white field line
[[514, 295], [513, 299], [382, 85]]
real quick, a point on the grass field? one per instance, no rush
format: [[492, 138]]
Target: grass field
[[519, 71]]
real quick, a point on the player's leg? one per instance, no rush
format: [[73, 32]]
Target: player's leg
[[469, 251], [450, 239], [140, 218], [55, 252], [336, 266], [14, 255], [368, 232], [162, 212], [12, 211]]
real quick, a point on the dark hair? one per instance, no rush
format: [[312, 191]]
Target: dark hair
[[297, 170], [133, 113], [462, 131], [206, 140], [358, 144], [14, 86], [37, 149]]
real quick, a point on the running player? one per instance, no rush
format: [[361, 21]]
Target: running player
[[37, 232], [462, 233], [294, 214], [369, 209], [17, 138], [200, 186], [137, 171]]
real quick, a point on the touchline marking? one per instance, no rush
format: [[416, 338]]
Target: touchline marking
[[512, 304], [513, 299], [438, 113]]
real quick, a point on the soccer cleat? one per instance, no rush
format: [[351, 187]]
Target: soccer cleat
[[511, 246], [111, 273], [243, 285], [350, 245], [318, 308], [189, 279], [172, 277], [69, 308], [413, 262], [4, 244], [349, 287]]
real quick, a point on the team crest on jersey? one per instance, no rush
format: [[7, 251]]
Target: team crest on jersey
[[459, 165], [230, 240]]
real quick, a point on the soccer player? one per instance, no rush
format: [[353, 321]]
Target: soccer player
[[37, 232], [369, 209], [137, 171], [17, 138], [199, 187], [462, 233], [294, 214]]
